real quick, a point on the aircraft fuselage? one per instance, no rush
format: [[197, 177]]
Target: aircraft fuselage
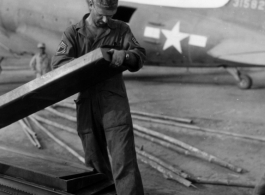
[[232, 34]]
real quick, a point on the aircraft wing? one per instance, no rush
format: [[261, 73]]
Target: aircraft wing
[[13, 45], [25, 39], [240, 51], [5, 51], [32, 35], [182, 3]]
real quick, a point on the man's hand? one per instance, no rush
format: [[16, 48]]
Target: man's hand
[[118, 57]]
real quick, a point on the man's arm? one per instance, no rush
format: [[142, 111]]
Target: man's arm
[[134, 53], [50, 63], [66, 49], [32, 63], [132, 56]]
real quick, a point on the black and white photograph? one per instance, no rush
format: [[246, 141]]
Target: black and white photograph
[[132, 97]]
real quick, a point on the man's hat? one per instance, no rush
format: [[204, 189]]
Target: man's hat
[[106, 4], [41, 45]]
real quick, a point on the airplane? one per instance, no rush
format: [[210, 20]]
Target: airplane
[[176, 33]]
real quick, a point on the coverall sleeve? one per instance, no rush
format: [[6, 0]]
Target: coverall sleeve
[[66, 51], [33, 62], [136, 52]]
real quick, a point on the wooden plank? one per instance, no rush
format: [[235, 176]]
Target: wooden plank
[[57, 85]]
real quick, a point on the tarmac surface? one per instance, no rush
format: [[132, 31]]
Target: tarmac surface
[[207, 96]]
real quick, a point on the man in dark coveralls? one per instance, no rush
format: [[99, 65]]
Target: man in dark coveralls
[[103, 113]]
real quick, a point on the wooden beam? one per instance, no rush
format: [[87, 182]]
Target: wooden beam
[[56, 85]]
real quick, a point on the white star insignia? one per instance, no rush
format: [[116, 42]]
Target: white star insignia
[[174, 37]]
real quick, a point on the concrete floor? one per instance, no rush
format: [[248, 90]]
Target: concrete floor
[[213, 101], [208, 97]]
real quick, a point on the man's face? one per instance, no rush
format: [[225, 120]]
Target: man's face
[[42, 50], [101, 16]]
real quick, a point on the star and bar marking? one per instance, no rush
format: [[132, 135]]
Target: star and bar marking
[[174, 37]]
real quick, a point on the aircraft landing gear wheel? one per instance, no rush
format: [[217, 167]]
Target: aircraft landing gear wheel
[[245, 82]]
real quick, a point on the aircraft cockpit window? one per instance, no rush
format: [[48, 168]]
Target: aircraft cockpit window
[[183, 3]]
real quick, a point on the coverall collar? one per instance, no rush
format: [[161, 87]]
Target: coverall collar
[[81, 26]]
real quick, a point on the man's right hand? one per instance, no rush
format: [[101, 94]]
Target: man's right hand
[[118, 57]]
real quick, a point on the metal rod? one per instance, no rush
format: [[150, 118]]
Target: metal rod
[[58, 141], [27, 127], [28, 124], [34, 136], [66, 116], [227, 182], [189, 147], [169, 145], [24, 127], [54, 124], [187, 126], [166, 173], [163, 117], [162, 163]]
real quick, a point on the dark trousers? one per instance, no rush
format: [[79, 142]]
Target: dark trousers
[[260, 187], [104, 121]]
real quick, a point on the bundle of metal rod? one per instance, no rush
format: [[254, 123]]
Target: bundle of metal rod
[[168, 174], [199, 180], [30, 134], [58, 141], [169, 145], [54, 124], [134, 112], [66, 116], [30, 127], [167, 120], [201, 153], [194, 127], [163, 117], [227, 182]]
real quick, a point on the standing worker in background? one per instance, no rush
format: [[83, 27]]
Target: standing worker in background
[[41, 62], [103, 113]]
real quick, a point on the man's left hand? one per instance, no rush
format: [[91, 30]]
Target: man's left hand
[[118, 57]]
